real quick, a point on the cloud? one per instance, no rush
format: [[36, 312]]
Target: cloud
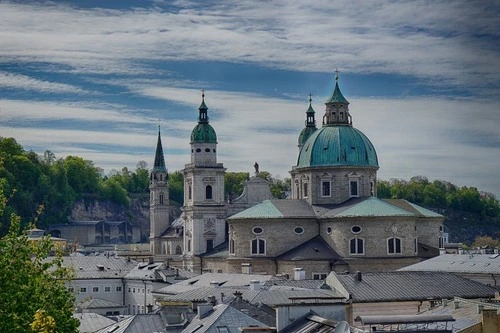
[[441, 47], [23, 82]]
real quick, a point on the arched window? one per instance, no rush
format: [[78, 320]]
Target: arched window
[[178, 249], [357, 246], [231, 246], [258, 246], [441, 242], [208, 192], [415, 245], [394, 245], [162, 198], [189, 193]]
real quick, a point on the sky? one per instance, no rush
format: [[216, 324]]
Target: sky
[[95, 79]]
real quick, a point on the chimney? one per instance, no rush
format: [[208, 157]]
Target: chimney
[[480, 308], [442, 251], [359, 276], [246, 268], [445, 302], [211, 299], [255, 285], [460, 251], [238, 294], [204, 309], [151, 260], [457, 304], [489, 320], [299, 274], [214, 284]]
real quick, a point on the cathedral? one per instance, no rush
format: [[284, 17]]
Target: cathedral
[[333, 220]]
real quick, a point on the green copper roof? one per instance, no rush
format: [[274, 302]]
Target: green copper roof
[[337, 96], [203, 133], [305, 134], [337, 146], [373, 207], [310, 109], [266, 209], [424, 211]]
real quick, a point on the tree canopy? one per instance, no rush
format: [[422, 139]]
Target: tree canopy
[[33, 293], [440, 194]]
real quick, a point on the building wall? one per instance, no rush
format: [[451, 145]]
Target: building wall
[[138, 295], [339, 178], [429, 230], [115, 293], [278, 234], [375, 231]]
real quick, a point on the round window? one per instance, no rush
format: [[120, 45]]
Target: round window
[[198, 150], [298, 230], [207, 150], [356, 229], [257, 230], [329, 230]]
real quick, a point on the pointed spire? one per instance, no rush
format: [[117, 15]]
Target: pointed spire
[[337, 96], [203, 116], [159, 164], [310, 121]]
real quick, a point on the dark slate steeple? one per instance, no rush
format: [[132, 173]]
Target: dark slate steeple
[[203, 116], [159, 164]]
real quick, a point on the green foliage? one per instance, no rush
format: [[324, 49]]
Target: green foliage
[[440, 194], [176, 187], [233, 184], [481, 241], [279, 187], [30, 284]]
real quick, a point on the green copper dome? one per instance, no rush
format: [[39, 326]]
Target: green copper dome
[[337, 146], [203, 133], [305, 134]]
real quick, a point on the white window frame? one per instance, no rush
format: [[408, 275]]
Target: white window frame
[[258, 253], [357, 253], [95, 289], [394, 240], [118, 289], [231, 247], [107, 289]]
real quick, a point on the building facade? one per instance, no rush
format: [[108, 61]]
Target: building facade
[[332, 222]]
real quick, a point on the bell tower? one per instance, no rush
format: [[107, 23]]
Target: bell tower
[[204, 205], [159, 215]]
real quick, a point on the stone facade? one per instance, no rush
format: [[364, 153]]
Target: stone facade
[[308, 183]]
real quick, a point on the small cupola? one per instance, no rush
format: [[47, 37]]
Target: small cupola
[[310, 125], [203, 116], [337, 107]]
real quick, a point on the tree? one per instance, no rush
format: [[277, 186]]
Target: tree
[[233, 184], [481, 241], [31, 285]]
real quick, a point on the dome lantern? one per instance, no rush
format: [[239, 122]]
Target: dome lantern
[[337, 107]]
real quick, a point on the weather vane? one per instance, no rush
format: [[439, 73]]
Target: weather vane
[[337, 73]]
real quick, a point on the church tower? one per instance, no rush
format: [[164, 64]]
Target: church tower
[[159, 215], [204, 206], [336, 162]]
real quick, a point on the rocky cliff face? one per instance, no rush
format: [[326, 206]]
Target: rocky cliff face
[[465, 227], [137, 213]]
